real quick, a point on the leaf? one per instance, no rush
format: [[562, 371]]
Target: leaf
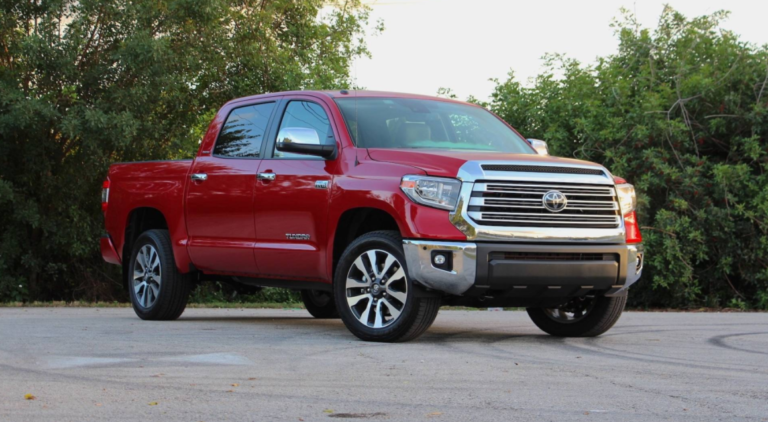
[[433, 414], [328, 410], [29, 397], [153, 403], [235, 385]]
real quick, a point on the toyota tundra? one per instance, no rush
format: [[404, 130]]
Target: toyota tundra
[[380, 208]]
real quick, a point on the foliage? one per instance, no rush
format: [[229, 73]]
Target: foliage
[[682, 112], [223, 293], [87, 83]]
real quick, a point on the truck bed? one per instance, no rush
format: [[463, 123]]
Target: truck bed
[[158, 184]]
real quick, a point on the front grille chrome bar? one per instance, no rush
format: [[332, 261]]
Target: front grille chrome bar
[[509, 203], [492, 200]]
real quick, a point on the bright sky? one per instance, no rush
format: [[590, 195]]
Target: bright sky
[[460, 44]]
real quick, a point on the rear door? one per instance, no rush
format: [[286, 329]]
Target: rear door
[[220, 196], [293, 195]]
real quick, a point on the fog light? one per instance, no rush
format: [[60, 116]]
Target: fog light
[[442, 260]]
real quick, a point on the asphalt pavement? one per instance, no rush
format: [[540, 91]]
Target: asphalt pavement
[[89, 364]]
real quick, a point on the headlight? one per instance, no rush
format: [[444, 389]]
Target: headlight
[[627, 200], [437, 192]]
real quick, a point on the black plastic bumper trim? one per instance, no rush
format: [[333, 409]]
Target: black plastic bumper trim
[[507, 274]]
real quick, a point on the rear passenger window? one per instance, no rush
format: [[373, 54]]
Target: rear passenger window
[[243, 131]]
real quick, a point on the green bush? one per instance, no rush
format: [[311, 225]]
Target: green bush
[[681, 112], [212, 292], [87, 83]]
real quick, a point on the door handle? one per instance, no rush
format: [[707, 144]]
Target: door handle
[[266, 176], [199, 177]]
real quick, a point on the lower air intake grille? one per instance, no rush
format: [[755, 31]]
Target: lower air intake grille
[[550, 256]]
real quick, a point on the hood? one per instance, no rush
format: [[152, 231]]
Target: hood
[[447, 163]]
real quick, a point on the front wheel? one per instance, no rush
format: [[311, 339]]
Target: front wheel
[[587, 316], [376, 299]]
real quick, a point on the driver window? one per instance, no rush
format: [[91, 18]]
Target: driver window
[[305, 114]]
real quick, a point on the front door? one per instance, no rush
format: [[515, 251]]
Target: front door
[[220, 196], [292, 197]]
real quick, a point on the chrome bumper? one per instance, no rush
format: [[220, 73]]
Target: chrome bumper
[[464, 272], [418, 257], [635, 262]]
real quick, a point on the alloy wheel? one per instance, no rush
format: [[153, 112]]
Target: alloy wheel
[[147, 276], [376, 288], [573, 311]]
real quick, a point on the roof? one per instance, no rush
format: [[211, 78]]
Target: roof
[[348, 94]]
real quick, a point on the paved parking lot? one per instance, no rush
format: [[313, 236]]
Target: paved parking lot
[[258, 365]]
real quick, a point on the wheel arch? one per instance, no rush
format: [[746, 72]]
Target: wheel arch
[[142, 219], [355, 222]]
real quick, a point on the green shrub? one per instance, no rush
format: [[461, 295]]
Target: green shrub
[[84, 84], [218, 292], [681, 112]]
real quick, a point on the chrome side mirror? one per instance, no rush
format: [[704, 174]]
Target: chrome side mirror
[[539, 145], [301, 140], [298, 135]]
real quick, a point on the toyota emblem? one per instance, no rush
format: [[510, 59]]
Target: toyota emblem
[[554, 201]]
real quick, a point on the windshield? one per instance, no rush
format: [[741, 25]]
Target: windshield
[[427, 124]]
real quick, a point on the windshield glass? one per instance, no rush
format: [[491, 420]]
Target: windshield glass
[[427, 124]]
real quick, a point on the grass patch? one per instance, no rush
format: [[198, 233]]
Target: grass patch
[[214, 305], [61, 304], [255, 305], [299, 305]]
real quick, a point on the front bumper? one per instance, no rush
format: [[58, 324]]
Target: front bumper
[[528, 269]]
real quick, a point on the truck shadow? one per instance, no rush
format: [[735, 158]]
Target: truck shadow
[[335, 326]]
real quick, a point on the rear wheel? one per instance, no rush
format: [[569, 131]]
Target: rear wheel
[[319, 304], [157, 290], [587, 316], [376, 299]]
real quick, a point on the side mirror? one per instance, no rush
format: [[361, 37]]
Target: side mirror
[[539, 145], [300, 140]]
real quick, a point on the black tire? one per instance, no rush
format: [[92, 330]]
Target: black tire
[[174, 288], [319, 304], [417, 313], [600, 318]]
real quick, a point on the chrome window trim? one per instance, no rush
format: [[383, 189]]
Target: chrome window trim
[[472, 172]]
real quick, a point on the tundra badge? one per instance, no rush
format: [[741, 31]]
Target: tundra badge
[[321, 184], [296, 236]]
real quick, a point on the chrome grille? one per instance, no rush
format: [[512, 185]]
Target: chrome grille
[[520, 204]]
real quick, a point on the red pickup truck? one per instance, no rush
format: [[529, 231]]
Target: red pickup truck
[[380, 208]]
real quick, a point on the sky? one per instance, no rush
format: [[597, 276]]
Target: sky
[[461, 44]]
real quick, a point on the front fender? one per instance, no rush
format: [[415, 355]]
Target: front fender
[[378, 187]]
